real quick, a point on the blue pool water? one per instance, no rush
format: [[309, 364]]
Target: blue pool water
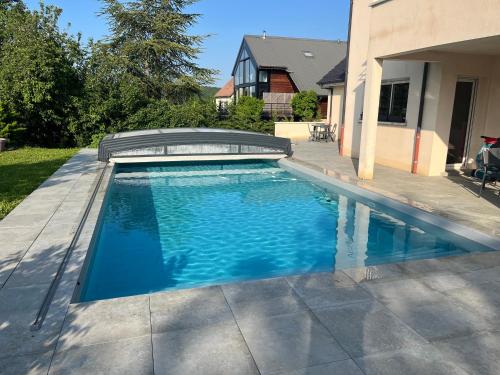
[[185, 225]]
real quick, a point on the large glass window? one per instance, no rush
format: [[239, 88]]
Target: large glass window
[[251, 71], [237, 76], [393, 102], [262, 75], [245, 75]]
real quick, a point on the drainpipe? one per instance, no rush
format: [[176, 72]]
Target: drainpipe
[[416, 147], [342, 122]]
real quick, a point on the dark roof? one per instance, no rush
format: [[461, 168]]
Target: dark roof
[[226, 91], [334, 76], [306, 60]]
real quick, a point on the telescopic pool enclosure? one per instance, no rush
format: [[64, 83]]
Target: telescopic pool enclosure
[[191, 141]]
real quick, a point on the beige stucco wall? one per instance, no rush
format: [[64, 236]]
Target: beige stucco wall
[[358, 50], [296, 131], [398, 26], [394, 146], [439, 107], [299, 131], [492, 122], [336, 106]]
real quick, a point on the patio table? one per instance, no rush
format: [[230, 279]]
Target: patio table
[[320, 129]]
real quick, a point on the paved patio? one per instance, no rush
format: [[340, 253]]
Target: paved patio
[[437, 316], [453, 196]]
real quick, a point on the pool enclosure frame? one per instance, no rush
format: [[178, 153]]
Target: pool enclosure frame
[[191, 141]]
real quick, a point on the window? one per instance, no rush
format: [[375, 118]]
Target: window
[[237, 76], [393, 102], [262, 75], [251, 71], [245, 75]]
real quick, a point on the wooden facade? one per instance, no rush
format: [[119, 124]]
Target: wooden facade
[[323, 106], [280, 82]]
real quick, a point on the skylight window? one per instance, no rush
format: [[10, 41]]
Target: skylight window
[[308, 54]]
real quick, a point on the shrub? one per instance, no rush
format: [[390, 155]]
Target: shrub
[[247, 109], [305, 106], [195, 113], [96, 139]]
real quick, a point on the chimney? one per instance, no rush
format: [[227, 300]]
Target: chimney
[[264, 34]]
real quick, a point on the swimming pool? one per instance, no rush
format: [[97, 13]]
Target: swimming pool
[[181, 225]]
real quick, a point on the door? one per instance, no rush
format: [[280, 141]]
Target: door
[[460, 122]]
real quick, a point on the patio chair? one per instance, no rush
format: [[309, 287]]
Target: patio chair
[[313, 133], [332, 130], [491, 167], [322, 131]]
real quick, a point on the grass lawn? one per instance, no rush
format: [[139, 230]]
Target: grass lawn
[[23, 170]]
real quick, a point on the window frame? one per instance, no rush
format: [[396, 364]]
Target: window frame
[[393, 83], [245, 65]]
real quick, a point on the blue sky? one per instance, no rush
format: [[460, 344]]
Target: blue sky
[[227, 21]]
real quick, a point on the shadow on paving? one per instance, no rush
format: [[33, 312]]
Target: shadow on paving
[[473, 185]]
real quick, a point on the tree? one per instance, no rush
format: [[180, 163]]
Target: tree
[[152, 38], [39, 75], [305, 105], [148, 57]]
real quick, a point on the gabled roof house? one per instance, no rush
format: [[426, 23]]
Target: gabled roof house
[[225, 95], [274, 68]]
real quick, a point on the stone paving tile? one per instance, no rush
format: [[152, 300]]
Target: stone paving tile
[[367, 328], [419, 361], [475, 261], [14, 249], [20, 234], [322, 290], [188, 308], [478, 277], [256, 290], [21, 299], [31, 364], [320, 280], [16, 338], [478, 353], [258, 309], [486, 259], [26, 219], [7, 266], [130, 356], [425, 266], [288, 342], [484, 300], [443, 281], [345, 367], [210, 350], [35, 207], [437, 318], [103, 321], [379, 273], [409, 289], [18, 309], [38, 266]]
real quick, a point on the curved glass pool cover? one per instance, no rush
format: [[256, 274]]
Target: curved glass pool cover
[[182, 225]]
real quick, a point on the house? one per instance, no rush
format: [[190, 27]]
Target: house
[[333, 81], [274, 68], [225, 95], [423, 83]]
